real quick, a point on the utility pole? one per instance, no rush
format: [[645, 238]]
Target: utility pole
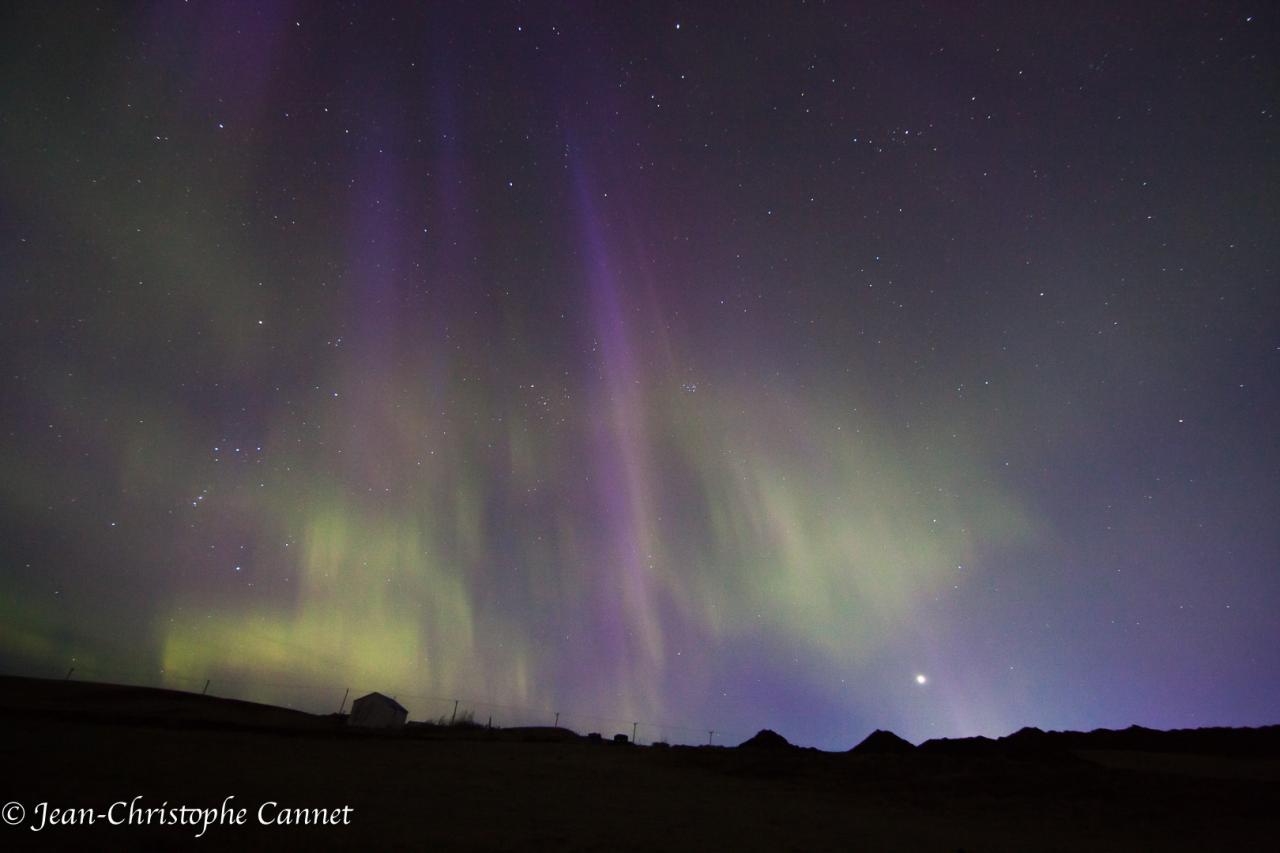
[[710, 736], [633, 732], [205, 691], [68, 676], [343, 704], [454, 716], [557, 719]]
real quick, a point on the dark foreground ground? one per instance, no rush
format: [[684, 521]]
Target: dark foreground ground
[[88, 746]]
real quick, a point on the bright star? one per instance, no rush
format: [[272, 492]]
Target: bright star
[[921, 679]]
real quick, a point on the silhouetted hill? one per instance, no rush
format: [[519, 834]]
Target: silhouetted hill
[[766, 739], [979, 745], [881, 742], [1258, 742], [544, 788], [151, 705]]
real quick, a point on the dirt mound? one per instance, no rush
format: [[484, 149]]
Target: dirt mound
[[766, 739], [881, 742]]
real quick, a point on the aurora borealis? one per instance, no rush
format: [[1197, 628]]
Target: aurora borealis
[[658, 362]]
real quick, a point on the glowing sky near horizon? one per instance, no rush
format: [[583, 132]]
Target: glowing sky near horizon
[[824, 369]]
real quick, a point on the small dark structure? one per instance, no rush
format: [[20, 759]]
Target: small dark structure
[[622, 739], [375, 711]]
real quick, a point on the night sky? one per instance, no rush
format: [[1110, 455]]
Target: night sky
[[821, 366]]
